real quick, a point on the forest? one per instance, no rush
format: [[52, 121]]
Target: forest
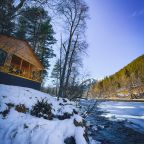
[[127, 82]]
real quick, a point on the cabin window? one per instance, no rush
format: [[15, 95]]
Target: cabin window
[[3, 55]]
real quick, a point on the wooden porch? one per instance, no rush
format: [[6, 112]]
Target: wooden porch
[[21, 68], [19, 60]]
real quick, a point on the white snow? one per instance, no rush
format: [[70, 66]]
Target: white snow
[[78, 118], [133, 112], [22, 128]]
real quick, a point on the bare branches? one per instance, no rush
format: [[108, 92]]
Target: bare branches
[[21, 3], [74, 14]]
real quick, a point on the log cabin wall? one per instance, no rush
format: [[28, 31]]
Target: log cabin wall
[[20, 61], [20, 48]]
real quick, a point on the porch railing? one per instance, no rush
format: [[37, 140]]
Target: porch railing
[[31, 75]]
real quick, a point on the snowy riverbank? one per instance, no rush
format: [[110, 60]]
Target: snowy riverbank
[[19, 126]]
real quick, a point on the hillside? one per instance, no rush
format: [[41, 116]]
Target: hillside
[[127, 83], [30, 116]]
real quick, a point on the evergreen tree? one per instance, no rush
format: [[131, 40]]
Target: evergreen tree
[[129, 77], [6, 23], [56, 75], [34, 26], [9, 11], [56, 71]]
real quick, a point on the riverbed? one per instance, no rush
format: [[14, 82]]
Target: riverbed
[[114, 122]]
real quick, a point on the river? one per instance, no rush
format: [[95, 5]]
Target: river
[[114, 122]]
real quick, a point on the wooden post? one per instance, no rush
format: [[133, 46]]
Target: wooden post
[[39, 74], [21, 64], [7, 63], [29, 71]]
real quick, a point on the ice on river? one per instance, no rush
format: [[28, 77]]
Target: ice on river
[[133, 112]]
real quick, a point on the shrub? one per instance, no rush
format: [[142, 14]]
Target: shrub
[[21, 108], [42, 109], [5, 112], [10, 105]]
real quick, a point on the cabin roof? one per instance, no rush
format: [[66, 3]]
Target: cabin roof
[[21, 48]]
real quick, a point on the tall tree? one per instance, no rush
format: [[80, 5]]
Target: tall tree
[[9, 9], [56, 75], [34, 25], [74, 14]]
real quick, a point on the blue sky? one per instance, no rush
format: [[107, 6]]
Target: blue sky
[[115, 35]]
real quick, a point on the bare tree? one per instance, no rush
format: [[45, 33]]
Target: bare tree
[[74, 14]]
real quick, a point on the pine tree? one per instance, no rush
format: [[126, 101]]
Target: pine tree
[[9, 11], [56, 70], [6, 23], [34, 26], [56, 75]]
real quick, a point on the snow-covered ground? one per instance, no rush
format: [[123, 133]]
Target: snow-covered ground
[[133, 112], [23, 128]]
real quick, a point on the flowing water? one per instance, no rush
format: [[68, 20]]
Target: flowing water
[[116, 122]]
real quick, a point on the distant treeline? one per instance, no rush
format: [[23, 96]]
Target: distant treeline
[[128, 78]]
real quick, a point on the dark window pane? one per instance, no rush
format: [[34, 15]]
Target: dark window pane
[[3, 55]]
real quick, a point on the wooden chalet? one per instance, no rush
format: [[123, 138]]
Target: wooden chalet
[[19, 65]]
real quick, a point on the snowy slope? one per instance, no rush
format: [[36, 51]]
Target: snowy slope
[[23, 128]]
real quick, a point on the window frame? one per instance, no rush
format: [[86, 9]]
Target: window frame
[[4, 59]]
